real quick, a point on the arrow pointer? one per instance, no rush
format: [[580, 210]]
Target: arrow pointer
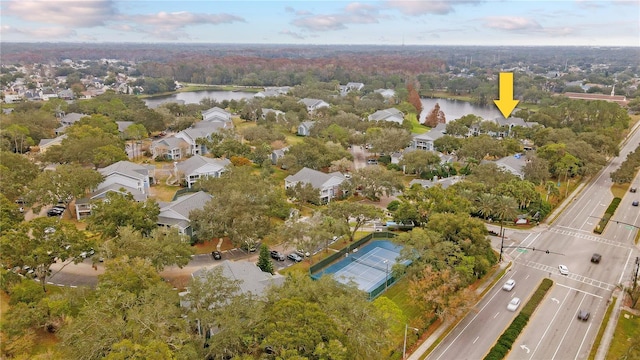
[[506, 103]]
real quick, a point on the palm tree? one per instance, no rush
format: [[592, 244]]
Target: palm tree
[[505, 207], [485, 204]]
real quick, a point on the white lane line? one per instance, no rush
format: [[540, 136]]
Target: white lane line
[[465, 328], [625, 267], [578, 290], [548, 326], [496, 315], [567, 330], [474, 341], [585, 334]]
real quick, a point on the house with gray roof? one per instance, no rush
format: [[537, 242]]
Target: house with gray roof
[[45, 144], [386, 93], [123, 125], [328, 185], [278, 154], [122, 177], [252, 280], [202, 129], [392, 115], [351, 86], [68, 120], [313, 104], [444, 182], [304, 129], [279, 114], [425, 141], [513, 164], [172, 148], [176, 213], [216, 114], [199, 167]]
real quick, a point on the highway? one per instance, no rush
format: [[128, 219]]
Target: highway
[[554, 331]]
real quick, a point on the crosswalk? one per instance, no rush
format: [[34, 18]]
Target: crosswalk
[[576, 277], [588, 237]]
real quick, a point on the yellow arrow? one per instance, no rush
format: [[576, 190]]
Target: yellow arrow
[[506, 104]]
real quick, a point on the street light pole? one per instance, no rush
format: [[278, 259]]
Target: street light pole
[[501, 245], [404, 345]]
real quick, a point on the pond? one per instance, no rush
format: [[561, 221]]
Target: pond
[[453, 109]]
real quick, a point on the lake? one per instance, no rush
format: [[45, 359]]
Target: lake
[[453, 109]]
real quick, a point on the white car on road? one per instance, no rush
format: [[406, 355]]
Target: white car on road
[[563, 270], [508, 286], [513, 304]]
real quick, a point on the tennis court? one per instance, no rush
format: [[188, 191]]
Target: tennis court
[[370, 267]]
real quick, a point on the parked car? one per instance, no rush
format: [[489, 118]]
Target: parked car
[[508, 286], [216, 255], [294, 257], [583, 315], [55, 212], [278, 255], [513, 304], [563, 270], [595, 258]]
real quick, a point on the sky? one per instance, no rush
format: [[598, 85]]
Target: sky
[[386, 22]]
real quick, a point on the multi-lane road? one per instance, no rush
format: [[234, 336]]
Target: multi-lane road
[[554, 331]]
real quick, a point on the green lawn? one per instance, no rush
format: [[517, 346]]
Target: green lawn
[[626, 339]]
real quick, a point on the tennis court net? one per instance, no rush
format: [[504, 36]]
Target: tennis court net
[[374, 264]]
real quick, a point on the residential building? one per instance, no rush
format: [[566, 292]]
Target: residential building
[[198, 167], [328, 185], [304, 129], [45, 144], [216, 114], [122, 177], [171, 148], [426, 141], [278, 154], [513, 164], [176, 213], [392, 115], [313, 104]]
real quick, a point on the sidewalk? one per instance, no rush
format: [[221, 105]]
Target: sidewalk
[[447, 324]]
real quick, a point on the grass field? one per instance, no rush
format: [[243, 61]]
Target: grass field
[[626, 339]]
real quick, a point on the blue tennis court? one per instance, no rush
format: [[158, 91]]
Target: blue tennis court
[[369, 268]]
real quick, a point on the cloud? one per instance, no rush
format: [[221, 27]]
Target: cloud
[[65, 13], [416, 8], [354, 13], [511, 23], [292, 34], [183, 18], [41, 33]]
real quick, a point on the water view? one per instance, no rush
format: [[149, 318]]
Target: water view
[[453, 109]]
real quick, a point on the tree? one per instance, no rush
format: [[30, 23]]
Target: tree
[[117, 210], [506, 208], [447, 144], [536, 170], [10, 215], [414, 98], [374, 182], [41, 242], [479, 147], [441, 293], [242, 205], [435, 117], [264, 260], [162, 247], [63, 183], [19, 136], [351, 216], [418, 161], [388, 140], [16, 171]]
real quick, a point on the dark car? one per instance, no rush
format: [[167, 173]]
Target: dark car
[[216, 255], [583, 315], [278, 256], [634, 203], [55, 212], [595, 258]]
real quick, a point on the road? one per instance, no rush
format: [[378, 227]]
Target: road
[[554, 332]]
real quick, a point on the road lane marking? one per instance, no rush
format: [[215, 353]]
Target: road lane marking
[[524, 347], [585, 334], [567, 330], [578, 290], [625, 267], [576, 277], [465, 328], [548, 326], [496, 315], [474, 341], [589, 237]]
